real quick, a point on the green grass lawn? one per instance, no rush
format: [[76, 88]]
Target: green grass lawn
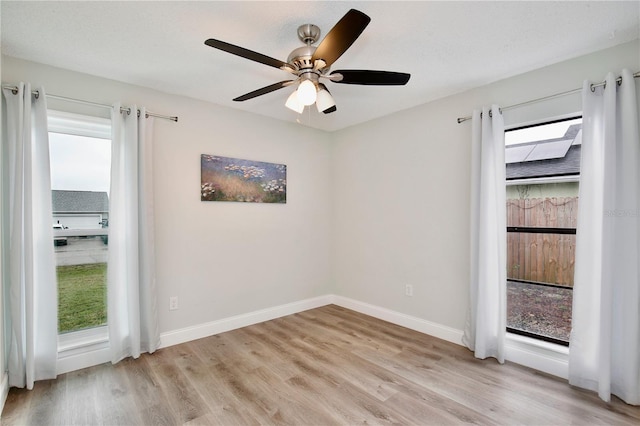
[[82, 296]]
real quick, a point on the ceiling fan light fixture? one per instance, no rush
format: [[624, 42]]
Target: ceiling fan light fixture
[[324, 100], [306, 93], [293, 103]]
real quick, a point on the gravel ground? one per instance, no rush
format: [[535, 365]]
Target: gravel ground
[[539, 309]]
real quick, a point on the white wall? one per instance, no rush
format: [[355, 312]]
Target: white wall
[[401, 189], [220, 259]]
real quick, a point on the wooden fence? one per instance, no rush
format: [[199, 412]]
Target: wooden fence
[[545, 258]]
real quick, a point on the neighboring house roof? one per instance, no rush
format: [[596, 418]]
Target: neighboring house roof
[[79, 201], [569, 164], [562, 156]]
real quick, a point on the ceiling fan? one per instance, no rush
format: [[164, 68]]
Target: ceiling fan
[[310, 64]]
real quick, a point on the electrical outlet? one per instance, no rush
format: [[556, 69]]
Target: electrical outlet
[[408, 290], [173, 303]]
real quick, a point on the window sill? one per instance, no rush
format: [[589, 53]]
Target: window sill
[[82, 349], [544, 356], [77, 342], [541, 344]]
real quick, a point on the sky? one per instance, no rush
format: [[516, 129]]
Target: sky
[[539, 133], [79, 163]]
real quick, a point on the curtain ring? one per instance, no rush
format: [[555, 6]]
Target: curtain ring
[[36, 94], [129, 111], [619, 81], [14, 91], [491, 113], [146, 115], [138, 114], [592, 87]]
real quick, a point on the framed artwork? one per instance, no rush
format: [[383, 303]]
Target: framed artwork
[[233, 179]]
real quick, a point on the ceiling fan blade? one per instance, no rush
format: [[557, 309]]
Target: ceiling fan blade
[[246, 53], [264, 90], [341, 36], [371, 78]]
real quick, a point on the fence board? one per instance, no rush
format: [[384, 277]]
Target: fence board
[[542, 257]]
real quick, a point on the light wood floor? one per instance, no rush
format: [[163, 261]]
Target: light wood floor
[[325, 366]]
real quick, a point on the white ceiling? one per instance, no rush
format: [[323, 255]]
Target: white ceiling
[[448, 47]]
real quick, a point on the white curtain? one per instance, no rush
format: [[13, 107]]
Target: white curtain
[[605, 338], [486, 321], [131, 286], [31, 279]]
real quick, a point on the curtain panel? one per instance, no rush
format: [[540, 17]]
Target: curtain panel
[[131, 284], [605, 338], [486, 320], [29, 278]]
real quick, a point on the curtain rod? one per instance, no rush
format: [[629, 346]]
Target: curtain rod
[[14, 90], [556, 95]]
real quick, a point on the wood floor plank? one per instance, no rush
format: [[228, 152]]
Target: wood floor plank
[[382, 378], [16, 407], [494, 405], [361, 408], [325, 366], [183, 399], [115, 392], [143, 386], [215, 394], [160, 415], [49, 403]]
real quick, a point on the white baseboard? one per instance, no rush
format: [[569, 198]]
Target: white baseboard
[[414, 323], [199, 331], [527, 352], [4, 390]]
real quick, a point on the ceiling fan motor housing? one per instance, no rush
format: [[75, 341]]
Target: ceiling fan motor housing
[[300, 58]]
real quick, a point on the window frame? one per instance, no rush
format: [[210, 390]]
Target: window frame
[[516, 334], [95, 340]]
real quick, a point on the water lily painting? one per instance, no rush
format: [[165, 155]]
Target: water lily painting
[[232, 179]]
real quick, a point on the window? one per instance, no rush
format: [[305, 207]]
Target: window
[[80, 160], [543, 168]]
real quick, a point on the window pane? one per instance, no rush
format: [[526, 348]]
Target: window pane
[[542, 210], [80, 176]]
